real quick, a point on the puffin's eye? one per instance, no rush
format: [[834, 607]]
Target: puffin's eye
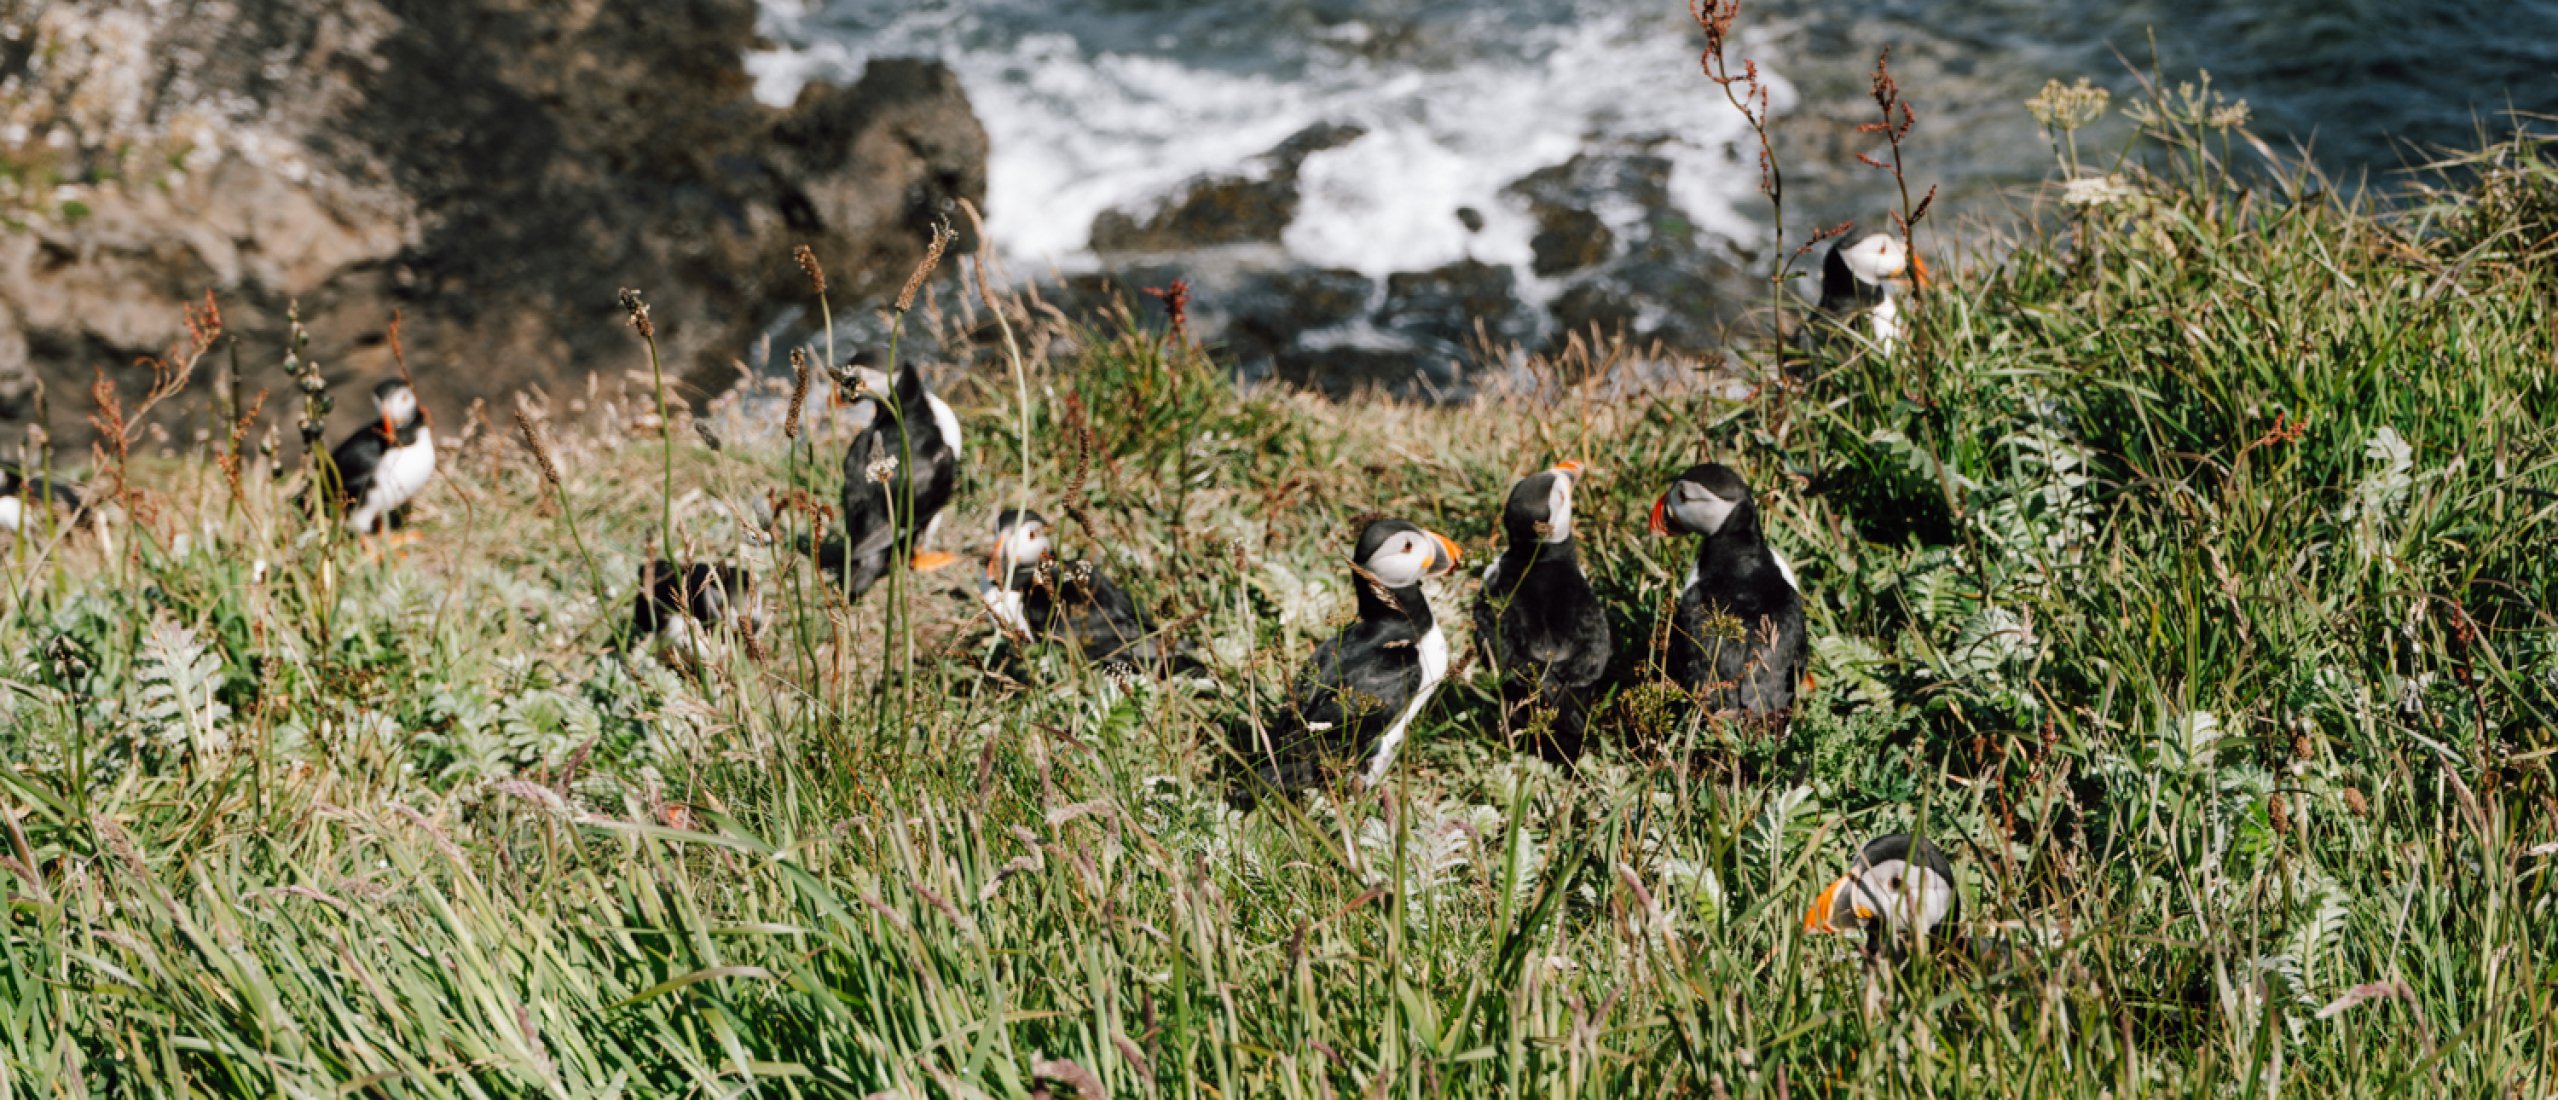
[[1895, 886]]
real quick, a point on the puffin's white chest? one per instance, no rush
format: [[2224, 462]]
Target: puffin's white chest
[[1432, 650], [396, 478], [12, 514], [1005, 605], [1885, 321], [405, 470]]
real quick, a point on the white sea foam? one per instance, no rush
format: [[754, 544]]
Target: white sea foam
[[1076, 132]]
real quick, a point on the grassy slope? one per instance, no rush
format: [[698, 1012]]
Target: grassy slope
[[2223, 721]]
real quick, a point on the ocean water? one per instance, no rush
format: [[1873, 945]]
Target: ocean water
[[1108, 103]]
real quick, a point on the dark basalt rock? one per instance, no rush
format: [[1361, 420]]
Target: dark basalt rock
[[1442, 305], [493, 170], [1655, 280], [1272, 308], [1217, 210], [1567, 240]]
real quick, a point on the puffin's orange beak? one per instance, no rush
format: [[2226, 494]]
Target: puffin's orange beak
[[1918, 271], [1661, 515], [1817, 919], [389, 432], [1448, 547], [1569, 466], [994, 561]]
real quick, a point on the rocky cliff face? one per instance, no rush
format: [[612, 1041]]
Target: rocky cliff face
[[492, 169]]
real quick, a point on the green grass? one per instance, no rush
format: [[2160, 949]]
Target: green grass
[[2220, 722]]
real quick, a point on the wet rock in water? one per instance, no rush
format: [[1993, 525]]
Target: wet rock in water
[[1442, 306], [1227, 209], [493, 170], [1218, 210], [1289, 156], [1593, 308], [1267, 310], [1567, 240], [1632, 261], [1565, 201], [1092, 297]]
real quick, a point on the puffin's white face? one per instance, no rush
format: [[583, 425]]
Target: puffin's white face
[[398, 406], [868, 382], [1558, 502], [1698, 509], [1877, 260], [1408, 556], [1024, 543], [1901, 895]]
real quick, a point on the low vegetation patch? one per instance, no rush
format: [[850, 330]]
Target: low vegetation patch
[[2187, 574]]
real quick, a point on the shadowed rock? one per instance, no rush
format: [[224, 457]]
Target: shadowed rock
[[1225, 209], [495, 170]]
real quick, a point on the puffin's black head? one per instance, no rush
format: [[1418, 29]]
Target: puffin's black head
[[1709, 499], [1399, 554], [871, 390], [1899, 884], [1540, 506], [1021, 538], [1866, 272], [397, 403]]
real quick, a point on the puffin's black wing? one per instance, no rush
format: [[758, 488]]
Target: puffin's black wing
[[869, 519], [931, 478], [16, 481], [1352, 688], [1778, 649], [1747, 646], [1553, 644], [1106, 622], [355, 461]]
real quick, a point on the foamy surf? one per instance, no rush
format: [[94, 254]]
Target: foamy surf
[[1079, 125]]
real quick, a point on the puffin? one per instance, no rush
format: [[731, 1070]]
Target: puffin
[[1536, 617], [1898, 890], [1359, 693], [385, 463], [899, 473], [1861, 282], [676, 605], [1034, 596], [1736, 635], [24, 494]]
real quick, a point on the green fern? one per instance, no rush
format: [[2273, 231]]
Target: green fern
[[180, 678]]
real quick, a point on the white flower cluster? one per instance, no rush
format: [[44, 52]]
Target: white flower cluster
[[2096, 191]]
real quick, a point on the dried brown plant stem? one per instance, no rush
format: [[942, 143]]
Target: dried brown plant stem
[[638, 311], [798, 394], [816, 273], [1895, 124], [232, 457], [528, 429], [900, 595], [1747, 92], [1012, 347]]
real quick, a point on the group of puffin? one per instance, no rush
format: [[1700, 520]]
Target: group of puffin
[[1736, 638]]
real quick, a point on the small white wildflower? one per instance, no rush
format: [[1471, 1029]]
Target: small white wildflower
[[2095, 191], [881, 469]]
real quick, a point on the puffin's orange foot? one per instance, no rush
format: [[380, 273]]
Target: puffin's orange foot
[[928, 560]]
